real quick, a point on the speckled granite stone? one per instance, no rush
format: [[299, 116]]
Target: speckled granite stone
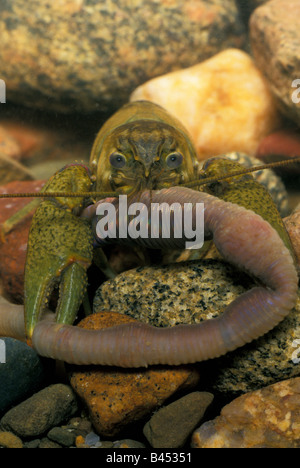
[[192, 292], [275, 42], [89, 55], [267, 418]]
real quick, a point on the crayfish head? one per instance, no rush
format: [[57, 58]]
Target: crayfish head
[[144, 154]]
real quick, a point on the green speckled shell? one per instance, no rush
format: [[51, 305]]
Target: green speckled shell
[[132, 113], [245, 191]]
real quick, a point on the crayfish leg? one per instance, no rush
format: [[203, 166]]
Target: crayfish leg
[[73, 286]]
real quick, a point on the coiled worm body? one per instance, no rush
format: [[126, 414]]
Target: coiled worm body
[[244, 239]]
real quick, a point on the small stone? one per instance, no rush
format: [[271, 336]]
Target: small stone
[[32, 443], [171, 425], [62, 436], [23, 373], [46, 443], [9, 440], [225, 95], [93, 62], [266, 418], [79, 426], [36, 415], [107, 444], [117, 397], [92, 439], [13, 249], [128, 443], [275, 39], [80, 442]]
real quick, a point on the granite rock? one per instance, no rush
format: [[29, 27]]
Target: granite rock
[[116, 397], [44, 410], [266, 418], [171, 425], [93, 59], [275, 41], [13, 248], [225, 95], [195, 291]]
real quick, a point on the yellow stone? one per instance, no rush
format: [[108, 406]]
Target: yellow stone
[[9, 440], [224, 103]]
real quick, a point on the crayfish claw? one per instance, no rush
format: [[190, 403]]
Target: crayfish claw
[[59, 251], [72, 290]]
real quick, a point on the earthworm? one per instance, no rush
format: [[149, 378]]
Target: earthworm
[[244, 239], [12, 321]]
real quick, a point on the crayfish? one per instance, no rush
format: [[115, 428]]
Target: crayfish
[[146, 154]]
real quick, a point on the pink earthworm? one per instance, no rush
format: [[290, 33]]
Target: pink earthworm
[[245, 240]]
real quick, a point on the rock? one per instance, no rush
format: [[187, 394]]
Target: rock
[[115, 397], [79, 426], [13, 250], [225, 95], [195, 291], [9, 440], [171, 425], [107, 49], [62, 436], [23, 373], [275, 40], [128, 443], [11, 170], [32, 443], [266, 418], [292, 224], [40, 143], [267, 178], [9, 145], [279, 146], [44, 410], [46, 444]]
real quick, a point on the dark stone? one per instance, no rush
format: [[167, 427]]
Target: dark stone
[[171, 425], [23, 373], [44, 410]]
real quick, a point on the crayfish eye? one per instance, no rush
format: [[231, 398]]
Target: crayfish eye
[[174, 160], [117, 160]]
